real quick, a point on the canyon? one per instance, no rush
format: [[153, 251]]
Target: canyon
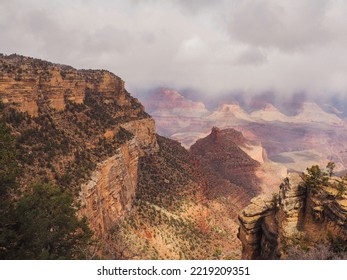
[[83, 132], [308, 136], [146, 196]]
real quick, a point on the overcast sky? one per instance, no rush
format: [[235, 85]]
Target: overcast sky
[[285, 46]]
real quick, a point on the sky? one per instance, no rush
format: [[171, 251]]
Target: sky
[[212, 47]]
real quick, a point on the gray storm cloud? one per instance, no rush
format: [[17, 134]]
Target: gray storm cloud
[[249, 46]]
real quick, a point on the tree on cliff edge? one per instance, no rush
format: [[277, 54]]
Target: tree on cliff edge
[[314, 178], [330, 167]]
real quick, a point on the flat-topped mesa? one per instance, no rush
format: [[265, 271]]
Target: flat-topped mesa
[[28, 83]]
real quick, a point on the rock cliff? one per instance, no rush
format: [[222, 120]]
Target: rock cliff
[[109, 194], [78, 129], [25, 82], [295, 217]]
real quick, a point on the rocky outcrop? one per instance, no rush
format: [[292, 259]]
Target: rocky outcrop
[[252, 225], [25, 83], [109, 194], [292, 199], [145, 133], [270, 224], [326, 216]]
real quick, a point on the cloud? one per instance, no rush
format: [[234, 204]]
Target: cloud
[[192, 49], [285, 25], [251, 56], [213, 47], [191, 6], [103, 41]]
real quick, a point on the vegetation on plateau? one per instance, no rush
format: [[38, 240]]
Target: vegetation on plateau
[[316, 179]]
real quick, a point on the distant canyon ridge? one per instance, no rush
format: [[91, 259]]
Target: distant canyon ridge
[[310, 136]]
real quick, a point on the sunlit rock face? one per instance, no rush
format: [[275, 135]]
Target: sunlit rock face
[[109, 194], [25, 82], [293, 215]]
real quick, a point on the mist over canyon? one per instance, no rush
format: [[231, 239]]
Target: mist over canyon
[[311, 133], [218, 184]]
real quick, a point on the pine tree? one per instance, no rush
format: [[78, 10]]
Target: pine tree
[[46, 226]]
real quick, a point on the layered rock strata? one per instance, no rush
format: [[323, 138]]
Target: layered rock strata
[[78, 129], [270, 224], [109, 194], [25, 82]]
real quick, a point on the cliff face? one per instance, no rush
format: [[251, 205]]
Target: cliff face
[[25, 82], [271, 225], [110, 192], [78, 129], [186, 202]]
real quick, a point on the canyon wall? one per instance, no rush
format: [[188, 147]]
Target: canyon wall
[[270, 225], [109, 194], [25, 82], [102, 131]]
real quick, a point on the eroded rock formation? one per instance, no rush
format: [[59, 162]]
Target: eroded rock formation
[[110, 192], [307, 136], [269, 225], [25, 82], [78, 129]]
